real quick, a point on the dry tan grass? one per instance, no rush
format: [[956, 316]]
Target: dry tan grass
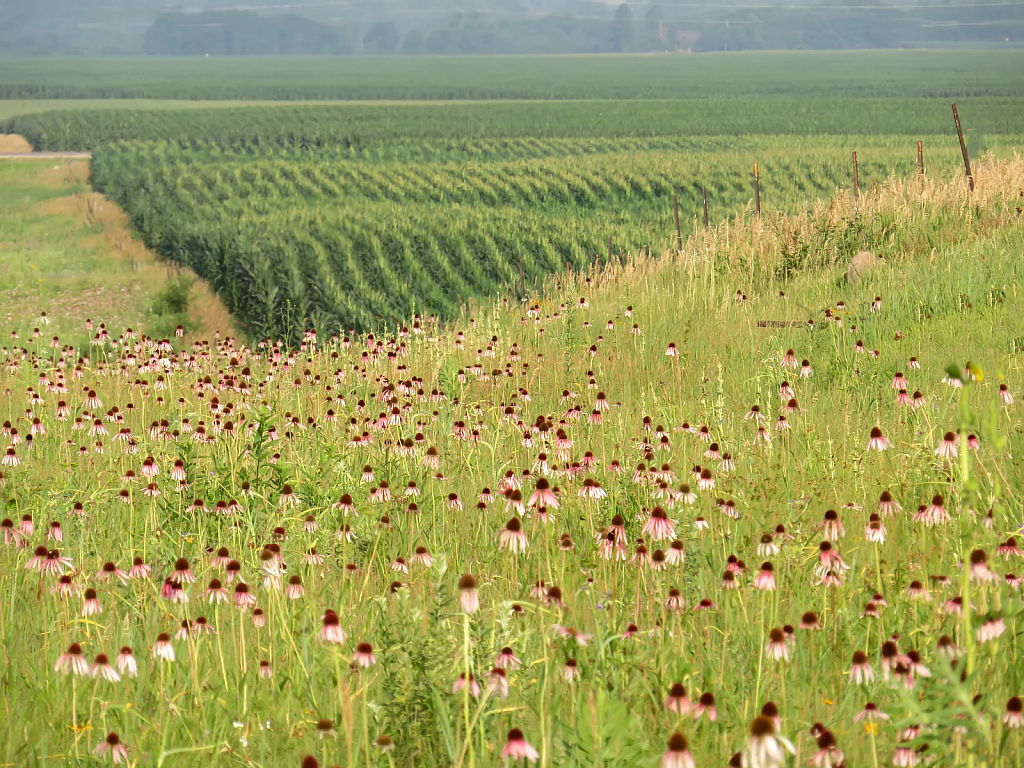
[[11, 142], [755, 246]]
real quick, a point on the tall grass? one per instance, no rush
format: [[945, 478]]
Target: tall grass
[[267, 414]]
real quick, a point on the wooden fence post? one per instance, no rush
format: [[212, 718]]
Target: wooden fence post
[[963, 149]]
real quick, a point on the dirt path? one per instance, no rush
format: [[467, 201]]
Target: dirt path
[[45, 155]]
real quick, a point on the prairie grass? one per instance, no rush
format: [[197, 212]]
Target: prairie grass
[[280, 437]]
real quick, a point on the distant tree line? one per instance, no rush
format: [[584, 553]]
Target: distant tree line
[[864, 24], [238, 33]]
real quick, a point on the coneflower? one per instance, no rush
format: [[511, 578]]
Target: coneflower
[[113, 746], [765, 578], [497, 682], [330, 631], [294, 590], [162, 648], [705, 706], [460, 685], [125, 662], [860, 670], [676, 553], [659, 526], [468, 599], [512, 538], [810, 621], [72, 662], [674, 601], [871, 713], [877, 441], [363, 656], [517, 748], [979, 566], [91, 606], [947, 449], [831, 527], [1005, 395], [765, 748], [917, 591], [570, 671], [325, 728], [678, 754], [542, 495], [777, 647], [828, 755], [182, 572], [1013, 715], [243, 598], [421, 556], [677, 700], [887, 505], [266, 671]]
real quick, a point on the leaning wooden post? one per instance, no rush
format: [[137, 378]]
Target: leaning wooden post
[[679, 232], [963, 149], [856, 182], [920, 158], [704, 194], [757, 191]]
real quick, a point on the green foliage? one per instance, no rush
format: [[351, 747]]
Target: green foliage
[[170, 308], [943, 74], [366, 127]]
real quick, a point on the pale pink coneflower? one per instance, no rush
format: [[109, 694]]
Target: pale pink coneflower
[[789, 360], [345, 504], [659, 526], [860, 670], [113, 746], [871, 713], [765, 748], [831, 527], [243, 598], [877, 441], [363, 655], [72, 662], [828, 755], [543, 496], [266, 671], [55, 532], [91, 606], [676, 554], [101, 668], [507, 659], [806, 371], [765, 579], [330, 631], [454, 502], [674, 601], [468, 599], [947, 449], [570, 671], [1013, 715], [512, 538], [162, 648], [125, 662], [259, 618], [706, 481], [992, 628], [460, 685], [777, 648], [979, 566], [887, 505], [875, 530], [705, 706], [294, 590], [518, 748], [678, 754], [497, 682], [767, 546], [686, 494], [421, 556], [916, 591], [1005, 395], [182, 572]]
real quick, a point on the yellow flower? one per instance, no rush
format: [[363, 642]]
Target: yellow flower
[[828, 702], [871, 728]]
